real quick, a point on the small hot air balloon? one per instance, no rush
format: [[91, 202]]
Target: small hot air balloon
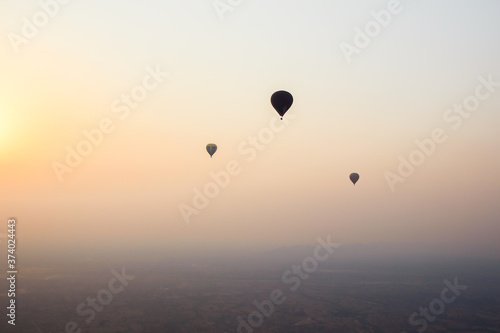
[[354, 177], [211, 148], [282, 101]]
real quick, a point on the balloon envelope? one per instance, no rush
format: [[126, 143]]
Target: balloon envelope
[[281, 101], [211, 148], [354, 177]]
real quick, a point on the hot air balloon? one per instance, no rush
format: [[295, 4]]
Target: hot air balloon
[[211, 148], [354, 177], [281, 101]]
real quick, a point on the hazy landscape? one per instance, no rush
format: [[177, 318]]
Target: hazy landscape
[[205, 294]]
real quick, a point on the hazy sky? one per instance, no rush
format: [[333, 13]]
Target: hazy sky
[[352, 112]]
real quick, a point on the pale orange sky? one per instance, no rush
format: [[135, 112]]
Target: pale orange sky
[[346, 117]]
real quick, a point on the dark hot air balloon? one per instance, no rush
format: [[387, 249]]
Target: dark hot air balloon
[[354, 177], [281, 101], [211, 148]]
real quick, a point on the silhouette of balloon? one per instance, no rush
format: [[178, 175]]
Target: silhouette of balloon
[[354, 177], [281, 101], [211, 148]]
